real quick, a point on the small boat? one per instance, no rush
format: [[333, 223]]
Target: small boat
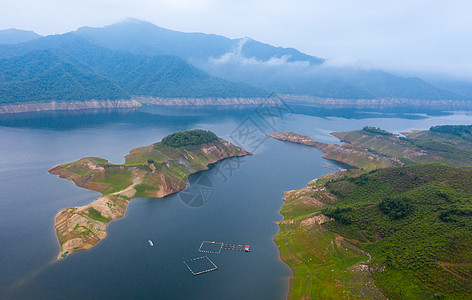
[[150, 243], [246, 248]]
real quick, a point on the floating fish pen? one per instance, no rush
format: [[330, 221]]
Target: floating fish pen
[[233, 247], [211, 247], [200, 265]]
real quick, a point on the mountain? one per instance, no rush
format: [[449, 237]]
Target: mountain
[[43, 76], [67, 67], [464, 88], [142, 37], [284, 70], [14, 36], [146, 60]]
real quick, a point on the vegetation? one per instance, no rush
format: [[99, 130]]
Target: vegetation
[[446, 144], [395, 208], [426, 235], [75, 70], [464, 131], [42, 76], [376, 130], [324, 265], [415, 221], [191, 137], [96, 215], [152, 171]]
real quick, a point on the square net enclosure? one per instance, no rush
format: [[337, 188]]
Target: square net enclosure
[[211, 247], [200, 265]]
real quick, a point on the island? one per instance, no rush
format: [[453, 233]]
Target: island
[[152, 171], [396, 225]]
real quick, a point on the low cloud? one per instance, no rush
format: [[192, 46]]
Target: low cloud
[[235, 56]]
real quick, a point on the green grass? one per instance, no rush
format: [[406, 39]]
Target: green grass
[[422, 254], [117, 179], [96, 215], [411, 247], [142, 189]]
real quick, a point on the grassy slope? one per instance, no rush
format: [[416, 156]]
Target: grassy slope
[[422, 255], [152, 171], [176, 164], [416, 257], [325, 265], [418, 147]]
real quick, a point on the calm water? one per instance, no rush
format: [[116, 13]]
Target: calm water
[[241, 201]]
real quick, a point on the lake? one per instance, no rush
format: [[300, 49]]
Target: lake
[[238, 201]]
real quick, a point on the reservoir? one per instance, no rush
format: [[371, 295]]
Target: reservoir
[[235, 202]]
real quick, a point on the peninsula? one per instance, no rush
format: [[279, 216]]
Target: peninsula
[[396, 226], [152, 171]]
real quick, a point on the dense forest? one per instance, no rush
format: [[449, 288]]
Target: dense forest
[[70, 68], [42, 76], [191, 137], [376, 130], [458, 130]]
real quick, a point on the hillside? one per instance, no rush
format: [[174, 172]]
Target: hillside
[[397, 226], [216, 66], [152, 171], [14, 36], [70, 68], [403, 232], [43, 76], [370, 148], [284, 70], [141, 37]]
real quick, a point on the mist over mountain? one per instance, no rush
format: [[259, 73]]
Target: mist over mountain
[[13, 36], [284, 70], [142, 37], [137, 58], [67, 67]]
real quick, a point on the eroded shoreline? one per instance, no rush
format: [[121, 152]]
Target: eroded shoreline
[[153, 171]]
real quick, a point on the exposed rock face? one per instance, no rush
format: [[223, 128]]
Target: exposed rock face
[[199, 101], [382, 103], [152, 171], [65, 105]]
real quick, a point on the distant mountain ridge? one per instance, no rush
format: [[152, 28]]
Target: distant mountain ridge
[[43, 76], [14, 36], [284, 70], [138, 58], [142, 37], [67, 67]]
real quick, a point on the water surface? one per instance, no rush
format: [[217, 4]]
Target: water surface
[[245, 197]]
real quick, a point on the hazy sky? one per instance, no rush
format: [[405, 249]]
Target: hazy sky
[[429, 35]]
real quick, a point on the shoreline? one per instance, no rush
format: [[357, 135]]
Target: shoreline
[[306, 247], [139, 101], [147, 173], [26, 107], [135, 102]]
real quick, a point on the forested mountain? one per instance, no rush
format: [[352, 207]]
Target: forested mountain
[[142, 37], [146, 60], [13, 36], [42, 76], [67, 67], [284, 70]]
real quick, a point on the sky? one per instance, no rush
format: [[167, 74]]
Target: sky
[[413, 36]]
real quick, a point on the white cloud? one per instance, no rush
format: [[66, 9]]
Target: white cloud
[[236, 57]]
